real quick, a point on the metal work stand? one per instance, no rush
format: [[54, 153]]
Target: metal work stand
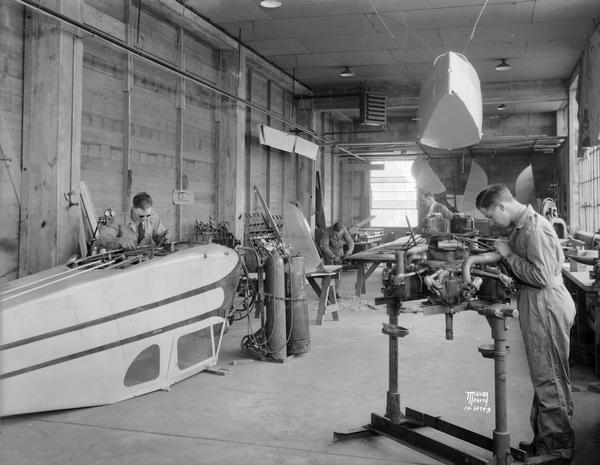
[[404, 428]]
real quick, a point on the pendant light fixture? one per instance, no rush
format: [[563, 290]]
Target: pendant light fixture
[[270, 3], [346, 72], [503, 65]]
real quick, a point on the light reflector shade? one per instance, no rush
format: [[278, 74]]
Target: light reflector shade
[[503, 65], [270, 3], [346, 72]]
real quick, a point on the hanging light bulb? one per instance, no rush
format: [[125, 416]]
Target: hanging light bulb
[[503, 65], [270, 3], [346, 72]]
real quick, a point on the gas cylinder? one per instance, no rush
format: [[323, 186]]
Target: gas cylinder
[[275, 306], [297, 321]]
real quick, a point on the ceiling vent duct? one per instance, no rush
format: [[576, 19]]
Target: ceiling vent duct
[[373, 110]]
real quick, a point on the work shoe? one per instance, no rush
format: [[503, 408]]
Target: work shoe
[[528, 447]]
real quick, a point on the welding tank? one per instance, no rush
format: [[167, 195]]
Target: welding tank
[[275, 306], [297, 325]]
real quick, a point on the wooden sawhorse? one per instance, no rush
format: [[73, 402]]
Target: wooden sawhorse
[[324, 292]]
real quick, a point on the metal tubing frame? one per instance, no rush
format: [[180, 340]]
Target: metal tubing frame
[[426, 445], [501, 435], [393, 411]]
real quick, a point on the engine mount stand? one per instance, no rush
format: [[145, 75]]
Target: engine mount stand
[[404, 428]]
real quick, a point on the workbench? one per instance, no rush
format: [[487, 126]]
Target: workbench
[[368, 260], [585, 340], [366, 243], [325, 290]]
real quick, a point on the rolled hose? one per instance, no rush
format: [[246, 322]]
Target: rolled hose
[[482, 259]]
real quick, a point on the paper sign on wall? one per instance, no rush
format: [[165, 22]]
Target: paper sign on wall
[[181, 197]]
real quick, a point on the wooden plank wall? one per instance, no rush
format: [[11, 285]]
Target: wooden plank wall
[[102, 125], [11, 109], [153, 129], [274, 172], [258, 154], [143, 129], [153, 132], [330, 167], [355, 191], [306, 168], [153, 137], [277, 158], [324, 168]]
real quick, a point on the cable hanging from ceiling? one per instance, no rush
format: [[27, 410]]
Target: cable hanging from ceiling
[[475, 26], [433, 53]]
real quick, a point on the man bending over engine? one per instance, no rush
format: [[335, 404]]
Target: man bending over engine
[[546, 313], [139, 227]]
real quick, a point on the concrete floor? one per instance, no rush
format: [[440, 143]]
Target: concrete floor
[[286, 413]]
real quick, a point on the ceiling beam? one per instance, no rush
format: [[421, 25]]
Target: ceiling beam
[[403, 97]]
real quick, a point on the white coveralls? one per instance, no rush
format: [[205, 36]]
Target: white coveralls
[[546, 314]]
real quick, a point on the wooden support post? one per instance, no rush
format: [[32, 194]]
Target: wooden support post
[[52, 100], [333, 209], [268, 193], [322, 168], [284, 163], [231, 164], [300, 183], [248, 144], [179, 136], [347, 192], [127, 90], [573, 171]]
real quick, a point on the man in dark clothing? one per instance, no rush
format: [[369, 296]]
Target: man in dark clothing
[[546, 314], [332, 244], [335, 243], [431, 206]]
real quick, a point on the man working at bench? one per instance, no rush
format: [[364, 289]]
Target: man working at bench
[[335, 244]]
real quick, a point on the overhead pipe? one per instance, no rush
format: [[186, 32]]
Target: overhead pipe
[[168, 67]]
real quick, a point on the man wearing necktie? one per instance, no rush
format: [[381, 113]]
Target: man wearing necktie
[[141, 227]]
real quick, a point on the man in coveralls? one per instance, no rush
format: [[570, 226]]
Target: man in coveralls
[[546, 314]]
